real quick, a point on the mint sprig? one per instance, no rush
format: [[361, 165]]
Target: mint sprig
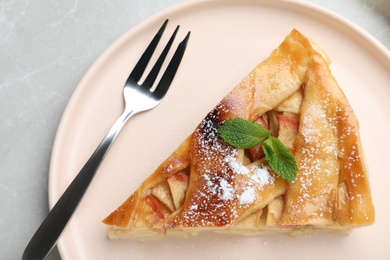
[[243, 134], [280, 159]]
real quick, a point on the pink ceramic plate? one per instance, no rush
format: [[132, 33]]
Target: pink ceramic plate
[[228, 39]]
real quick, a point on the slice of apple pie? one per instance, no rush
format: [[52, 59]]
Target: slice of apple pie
[[207, 184]]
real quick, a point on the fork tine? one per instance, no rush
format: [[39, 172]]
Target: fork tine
[[156, 68], [170, 72], [145, 58]]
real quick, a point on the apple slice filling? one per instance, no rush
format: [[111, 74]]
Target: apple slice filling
[[168, 196], [163, 194], [283, 123]]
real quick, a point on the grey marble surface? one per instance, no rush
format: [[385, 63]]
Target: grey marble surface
[[45, 49]]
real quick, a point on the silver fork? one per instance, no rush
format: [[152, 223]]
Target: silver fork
[[138, 97]]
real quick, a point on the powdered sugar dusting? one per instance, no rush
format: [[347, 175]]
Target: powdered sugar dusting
[[317, 161], [235, 165], [262, 176], [328, 147], [248, 196], [226, 190], [228, 185], [220, 187]]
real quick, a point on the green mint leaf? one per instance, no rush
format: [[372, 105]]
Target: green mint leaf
[[242, 133], [280, 159]]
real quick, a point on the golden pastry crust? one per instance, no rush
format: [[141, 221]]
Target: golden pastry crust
[[295, 95], [332, 183]]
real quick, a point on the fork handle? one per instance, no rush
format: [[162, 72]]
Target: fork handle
[[51, 228]]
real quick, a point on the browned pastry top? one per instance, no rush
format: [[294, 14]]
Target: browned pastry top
[[332, 184]]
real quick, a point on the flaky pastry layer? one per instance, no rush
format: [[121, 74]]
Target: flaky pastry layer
[[208, 185]]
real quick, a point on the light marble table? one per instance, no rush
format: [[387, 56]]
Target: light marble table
[[45, 48]]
